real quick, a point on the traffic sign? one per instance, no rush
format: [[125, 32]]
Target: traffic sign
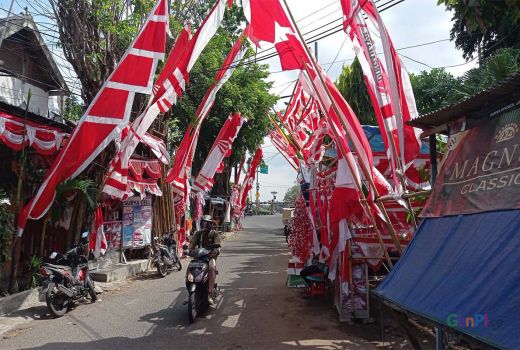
[[264, 169]]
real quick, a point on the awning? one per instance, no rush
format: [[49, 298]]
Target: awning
[[463, 272]]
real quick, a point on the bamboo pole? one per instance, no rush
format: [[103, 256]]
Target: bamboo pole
[[363, 166], [366, 207]]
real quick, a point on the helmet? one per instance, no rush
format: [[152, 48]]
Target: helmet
[[207, 218]]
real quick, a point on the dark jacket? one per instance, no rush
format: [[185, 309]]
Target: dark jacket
[[204, 238]]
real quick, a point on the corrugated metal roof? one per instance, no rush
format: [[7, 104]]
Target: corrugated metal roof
[[474, 107]]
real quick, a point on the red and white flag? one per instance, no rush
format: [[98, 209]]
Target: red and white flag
[[116, 183], [108, 113], [98, 240], [221, 147], [247, 185], [390, 90], [181, 170]]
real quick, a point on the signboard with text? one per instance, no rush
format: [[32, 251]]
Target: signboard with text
[[137, 222], [482, 169]]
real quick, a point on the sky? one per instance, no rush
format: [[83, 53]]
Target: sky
[[409, 23]]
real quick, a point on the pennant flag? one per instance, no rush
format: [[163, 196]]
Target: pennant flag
[[220, 148], [108, 113], [181, 170], [390, 91], [116, 183], [249, 179]]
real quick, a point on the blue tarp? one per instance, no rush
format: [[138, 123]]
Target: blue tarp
[[465, 267]]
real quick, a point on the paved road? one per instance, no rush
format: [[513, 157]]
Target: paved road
[[256, 310]]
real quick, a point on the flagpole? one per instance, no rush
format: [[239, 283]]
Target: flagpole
[[363, 166]]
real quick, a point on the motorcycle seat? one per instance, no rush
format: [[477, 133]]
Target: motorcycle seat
[[60, 267]]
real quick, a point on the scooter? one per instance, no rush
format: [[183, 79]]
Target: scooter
[[68, 280], [197, 278], [166, 258]]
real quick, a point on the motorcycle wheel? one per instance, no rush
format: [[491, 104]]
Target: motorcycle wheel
[[178, 265], [192, 307], [56, 302], [162, 269], [91, 290]]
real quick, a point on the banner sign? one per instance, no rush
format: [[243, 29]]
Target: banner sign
[[137, 222], [482, 169]]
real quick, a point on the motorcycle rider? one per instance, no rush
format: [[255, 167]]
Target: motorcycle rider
[[204, 238]]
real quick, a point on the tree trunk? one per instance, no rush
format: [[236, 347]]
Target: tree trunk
[[15, 262]]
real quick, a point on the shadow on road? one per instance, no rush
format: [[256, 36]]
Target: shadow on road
[[255, 311]]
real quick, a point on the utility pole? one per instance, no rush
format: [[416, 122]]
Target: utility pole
[[272, 204]]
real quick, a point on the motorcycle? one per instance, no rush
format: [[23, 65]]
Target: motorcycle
[[68, 280], [166, 258], [197, 278]]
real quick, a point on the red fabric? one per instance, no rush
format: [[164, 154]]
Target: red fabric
[[220, 148], [98, 240], [124, 73], [250, 178], [264, 16], [92, 135]]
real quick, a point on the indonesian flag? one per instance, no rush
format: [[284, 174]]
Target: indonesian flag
[[181, 170], [250, 178], [390, 90], [108, 113], [116, 184], [98, 241], [284, 147], [220, 148]]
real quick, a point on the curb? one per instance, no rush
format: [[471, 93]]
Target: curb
[[19, 301]]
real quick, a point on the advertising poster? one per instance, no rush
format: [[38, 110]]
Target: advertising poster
[[137, 222], [113, 234]]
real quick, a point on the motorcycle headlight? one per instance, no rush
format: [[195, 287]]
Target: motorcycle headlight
[[190, 277]]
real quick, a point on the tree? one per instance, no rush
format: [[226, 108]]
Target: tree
[[247, 92], [484, 25], [495, 68], [351, 84], [434, 89], [291, 194]]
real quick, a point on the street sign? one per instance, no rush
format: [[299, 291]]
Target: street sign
[[264, 169]]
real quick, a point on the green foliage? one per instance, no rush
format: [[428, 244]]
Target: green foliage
[[33, 268], [85, 188], [291, 194], [437, 88], [351, 84], [6, 226], [73, 110], [433, 89], [495, 68], [247, 92], [491, 24]]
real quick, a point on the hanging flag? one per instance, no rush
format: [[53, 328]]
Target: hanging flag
[[249, 179], [220, 148], [116, 183], [98, 240], [108, 113], [181, 170], [394, 85]]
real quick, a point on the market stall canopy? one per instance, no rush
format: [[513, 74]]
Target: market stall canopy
[[461, 269]]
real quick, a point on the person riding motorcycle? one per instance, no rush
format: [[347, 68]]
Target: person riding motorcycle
[[204, 238]]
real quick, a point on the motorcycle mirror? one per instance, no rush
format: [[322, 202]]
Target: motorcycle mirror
[[53, 255]]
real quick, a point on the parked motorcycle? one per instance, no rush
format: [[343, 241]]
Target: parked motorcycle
[[197, 281], [68, 280], [166, 258]]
